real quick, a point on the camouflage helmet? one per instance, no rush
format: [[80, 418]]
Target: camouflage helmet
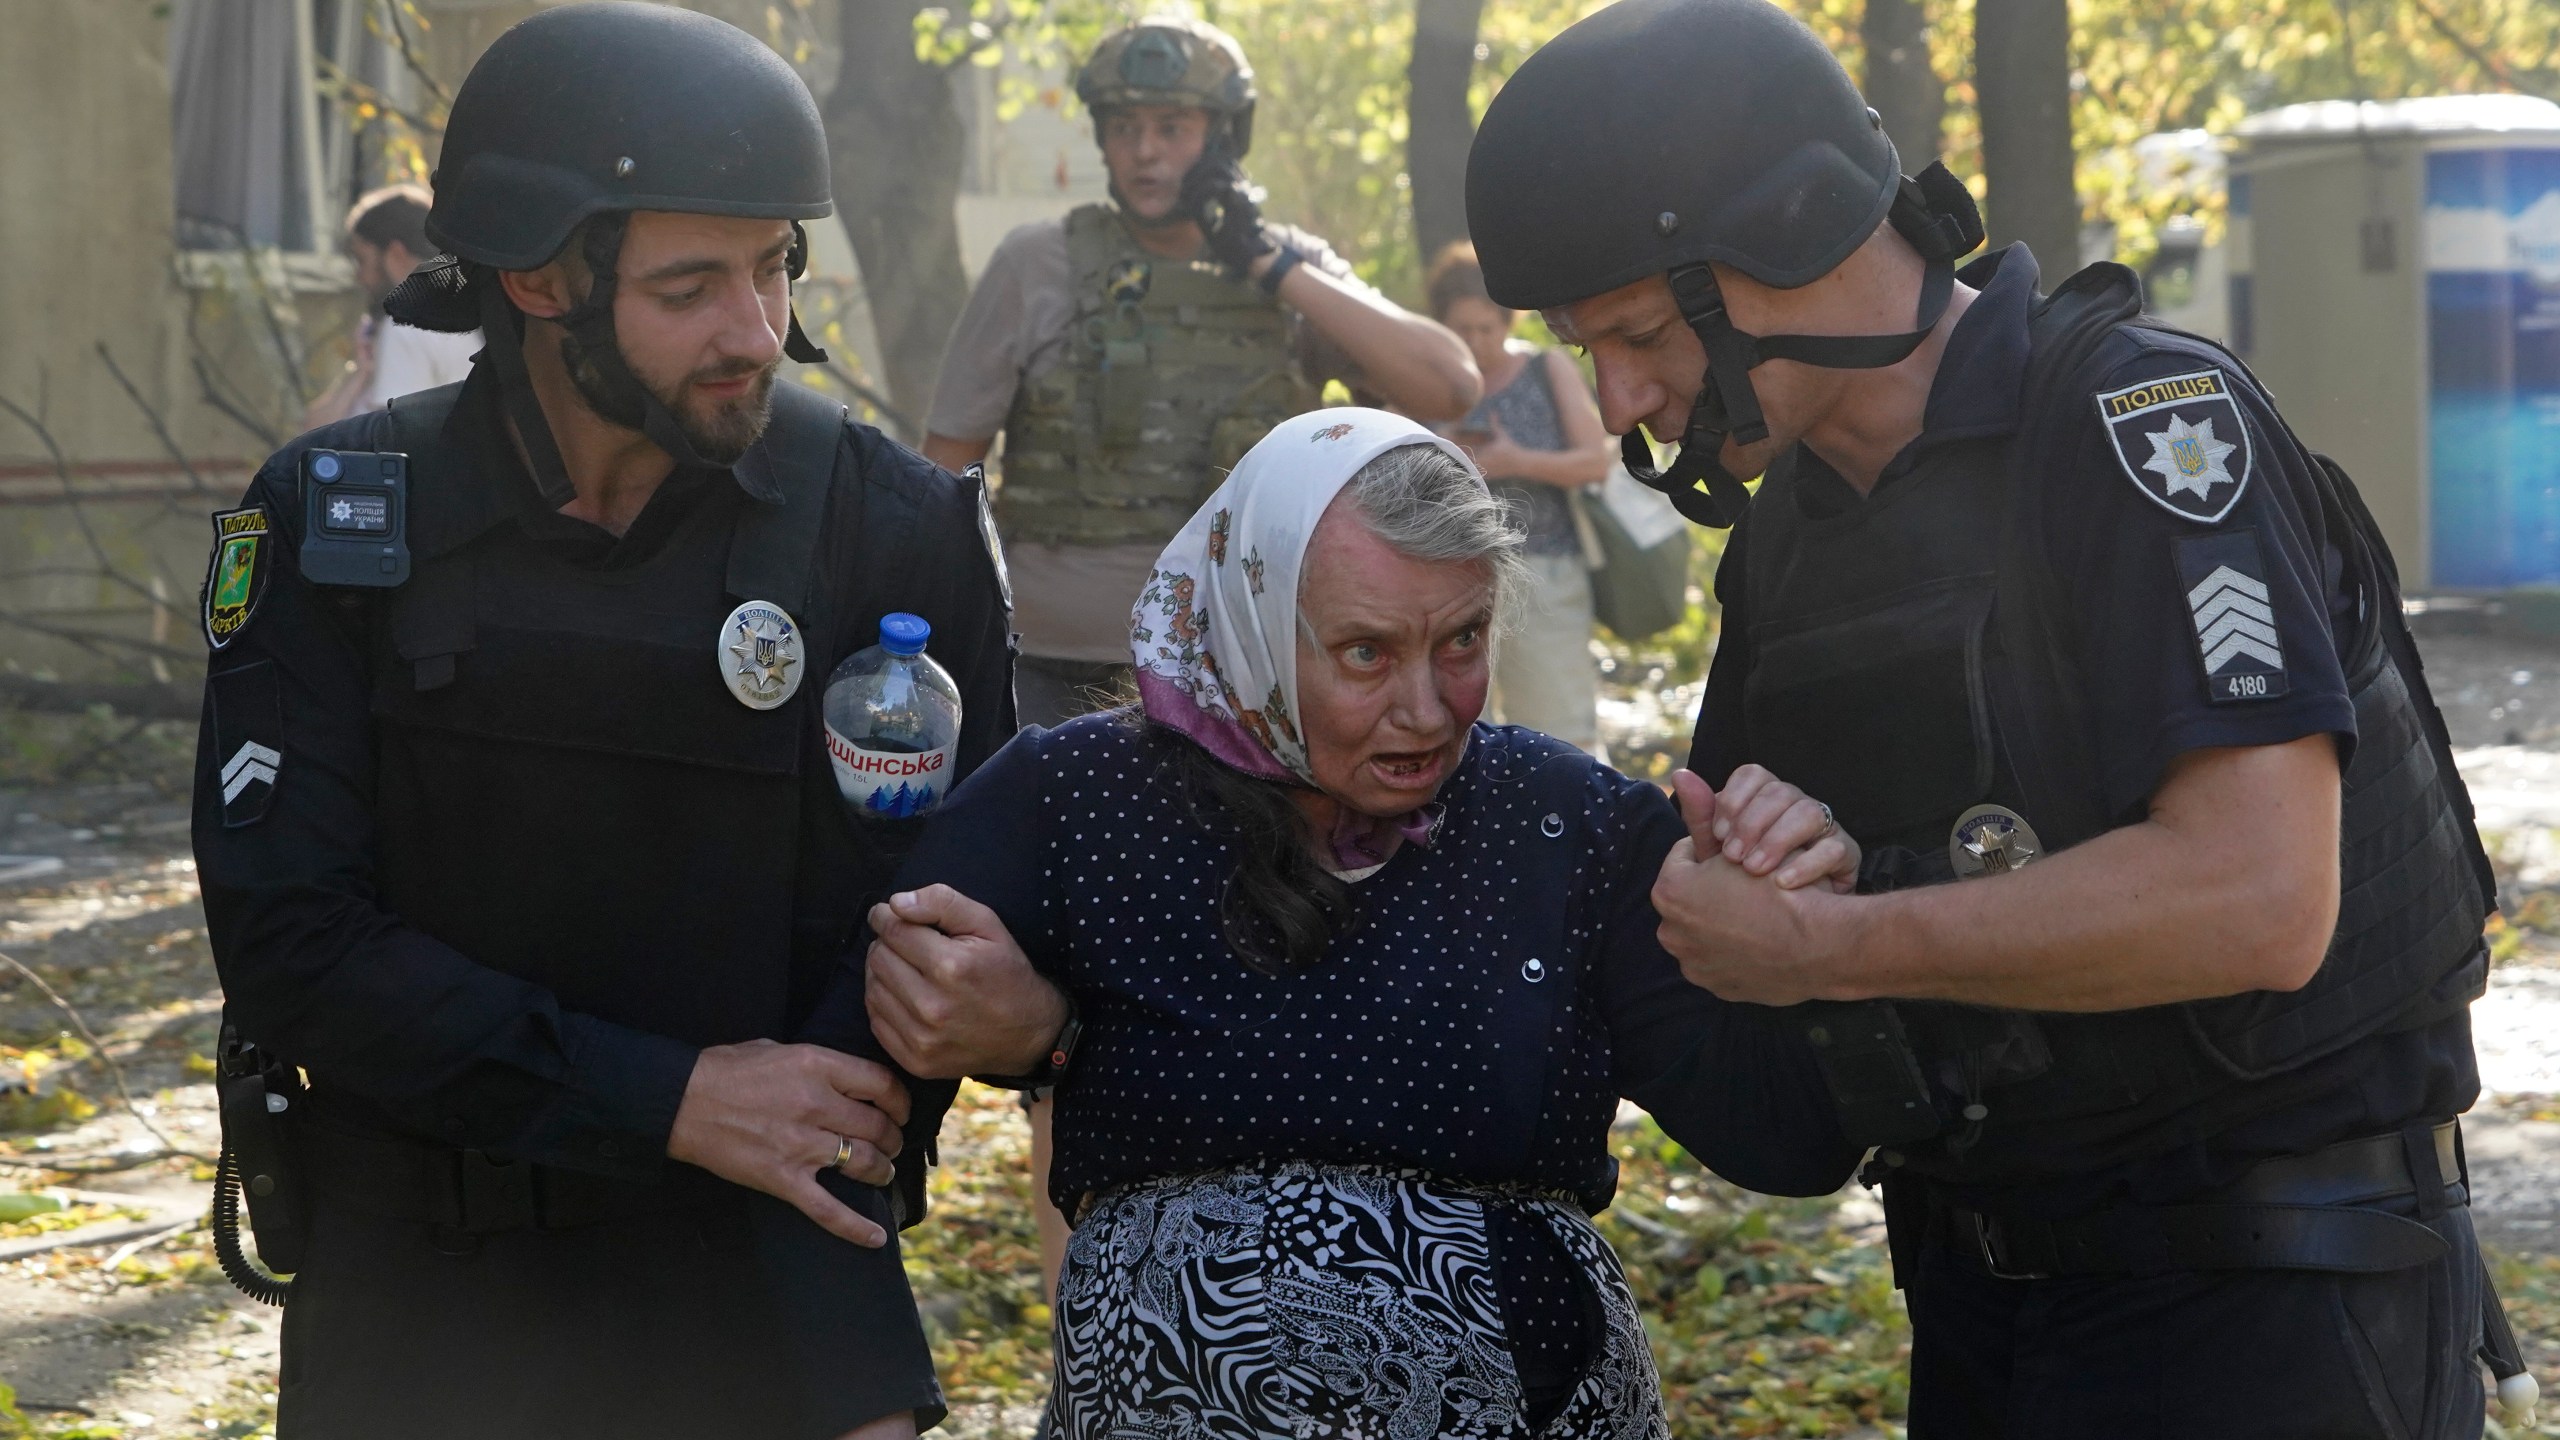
[[1172, 60]]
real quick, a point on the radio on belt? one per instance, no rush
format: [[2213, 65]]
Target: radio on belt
[[355, 506]]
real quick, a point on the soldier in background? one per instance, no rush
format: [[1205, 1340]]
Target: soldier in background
[[1133, 350]]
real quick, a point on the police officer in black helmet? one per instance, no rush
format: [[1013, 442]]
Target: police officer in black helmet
[[518, 837], [2150, 1006]]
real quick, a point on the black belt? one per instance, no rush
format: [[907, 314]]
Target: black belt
[[470, 1192], [2295, 1212]]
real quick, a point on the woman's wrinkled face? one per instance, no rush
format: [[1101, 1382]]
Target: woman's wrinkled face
[[1394, 659]]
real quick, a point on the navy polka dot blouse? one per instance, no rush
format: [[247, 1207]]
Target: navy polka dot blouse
[[1502, 989]]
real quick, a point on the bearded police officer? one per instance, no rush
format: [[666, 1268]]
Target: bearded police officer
[[517, 833], [1133, 351], [2047, 600]]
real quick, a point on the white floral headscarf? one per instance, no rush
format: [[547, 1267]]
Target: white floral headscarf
[[1215, 633]]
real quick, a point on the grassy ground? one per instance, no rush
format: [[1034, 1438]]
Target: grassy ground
[[1769, 1318]]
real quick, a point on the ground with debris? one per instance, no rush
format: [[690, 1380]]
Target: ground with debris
[[1769, 1317]]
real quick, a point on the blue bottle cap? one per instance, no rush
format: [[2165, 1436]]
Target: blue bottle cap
[[904, 634]]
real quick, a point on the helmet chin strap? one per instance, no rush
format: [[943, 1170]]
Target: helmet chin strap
[[502, 334], [624, 400], [1934, 212], [797, 344]]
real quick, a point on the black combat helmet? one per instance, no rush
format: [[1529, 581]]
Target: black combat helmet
[[603, 109], [1656, 136], [614, 106], [1173, 60]]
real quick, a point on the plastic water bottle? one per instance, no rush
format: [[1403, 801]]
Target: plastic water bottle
[[893, 723]]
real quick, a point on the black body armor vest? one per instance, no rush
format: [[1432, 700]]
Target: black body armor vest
[[533, 713], [1906, 669]]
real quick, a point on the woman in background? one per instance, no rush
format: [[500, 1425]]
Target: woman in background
[[1537, 437]]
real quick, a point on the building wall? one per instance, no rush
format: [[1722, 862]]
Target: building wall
[[87, 259]]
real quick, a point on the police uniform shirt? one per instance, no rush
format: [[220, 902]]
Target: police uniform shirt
[[2122, 558], [1071, 601], [579, 921]]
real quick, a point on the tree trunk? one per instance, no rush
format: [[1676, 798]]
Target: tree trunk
[[2022, 83], [1439, 124], [1901, 83], [895, 137]]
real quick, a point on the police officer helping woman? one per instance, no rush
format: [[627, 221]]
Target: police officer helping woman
[[523, 847], [2048, 602]]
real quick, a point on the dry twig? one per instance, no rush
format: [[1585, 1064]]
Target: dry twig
[[115, 1072]]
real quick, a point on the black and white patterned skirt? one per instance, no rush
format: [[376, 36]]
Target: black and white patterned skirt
[[1322, 1301]]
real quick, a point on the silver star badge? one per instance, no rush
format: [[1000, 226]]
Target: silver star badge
[[2188, 457], [760, 655]]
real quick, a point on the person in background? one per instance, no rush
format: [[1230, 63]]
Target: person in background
[[1537, 436], [1131, 351], [387, 237]]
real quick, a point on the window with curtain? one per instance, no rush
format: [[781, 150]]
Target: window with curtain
[[267, 153]]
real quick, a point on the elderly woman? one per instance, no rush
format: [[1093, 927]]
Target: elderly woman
[[1360, 983]]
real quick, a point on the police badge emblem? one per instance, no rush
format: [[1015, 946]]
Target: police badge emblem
[[760, 655], [1991, 840], [236, 578], [2181, 441]]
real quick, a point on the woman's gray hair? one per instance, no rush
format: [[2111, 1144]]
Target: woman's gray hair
[[1428, 504]]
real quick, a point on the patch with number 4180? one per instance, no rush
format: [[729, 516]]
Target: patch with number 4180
[[2235, 619]]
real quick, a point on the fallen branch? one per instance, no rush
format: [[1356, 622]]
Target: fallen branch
[[140, 1243], [93, 638], [97, 1047], [116, 1165], [142, 699]]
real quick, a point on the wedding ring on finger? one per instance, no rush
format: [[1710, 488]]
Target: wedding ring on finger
[[1829, 825], [844, 1152]]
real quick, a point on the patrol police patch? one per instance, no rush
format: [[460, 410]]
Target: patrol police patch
[[236, 577], [2181, 440], [2224, 577]]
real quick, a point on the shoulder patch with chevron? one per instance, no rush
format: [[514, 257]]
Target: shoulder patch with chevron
[[2224, 577]]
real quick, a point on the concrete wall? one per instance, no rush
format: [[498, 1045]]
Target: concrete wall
[[86, 257], [86, 260]]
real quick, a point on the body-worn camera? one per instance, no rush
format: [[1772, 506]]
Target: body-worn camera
[[355, 517]]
